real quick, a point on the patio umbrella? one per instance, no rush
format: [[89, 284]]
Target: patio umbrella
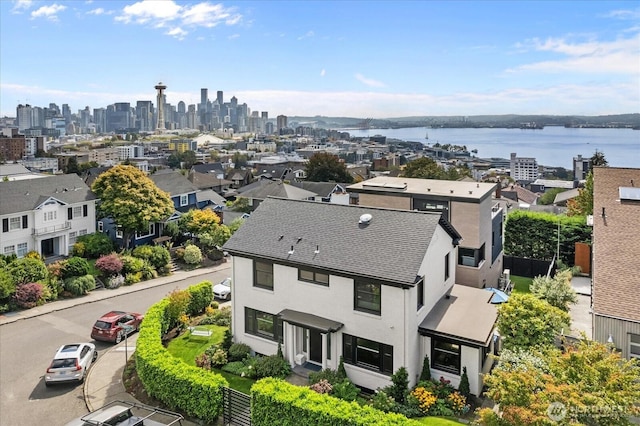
[[499, 296]]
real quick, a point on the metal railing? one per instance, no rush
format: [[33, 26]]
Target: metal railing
[[52, 229]]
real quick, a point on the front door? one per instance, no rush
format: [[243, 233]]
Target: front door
[[46, 247], [315, 346]]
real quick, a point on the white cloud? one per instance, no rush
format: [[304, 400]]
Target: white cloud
[[233, 36], [589, 57], [323, 72], [209, 15], [309, 34], [369, 81], [98, 11], [21, 5], [48, 12], [177, 32], [147, 11]]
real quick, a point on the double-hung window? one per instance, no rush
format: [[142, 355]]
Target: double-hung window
[[313, 276], [367, 353], [263, 274], [22, 249], [445, 355], [184, 200], [367, 297], [262, 324], [14, 223]]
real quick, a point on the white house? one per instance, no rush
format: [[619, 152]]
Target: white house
[[45, 215], [372, 285]]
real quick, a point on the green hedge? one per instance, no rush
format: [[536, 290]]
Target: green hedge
[[276, 402], [535, 235], [180, 386], [201, 297]]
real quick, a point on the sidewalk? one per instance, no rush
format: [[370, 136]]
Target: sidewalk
[[104, 381]]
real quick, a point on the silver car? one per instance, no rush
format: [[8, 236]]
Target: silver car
[[126, 413], [71, 363]]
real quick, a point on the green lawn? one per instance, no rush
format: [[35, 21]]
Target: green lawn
[[521, 284], [187, 349]]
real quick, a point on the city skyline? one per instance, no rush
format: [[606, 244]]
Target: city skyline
[[355, 59]]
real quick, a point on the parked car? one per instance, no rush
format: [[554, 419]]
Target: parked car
[[71, 363], [116, 325], [124, 413], [223, 290]]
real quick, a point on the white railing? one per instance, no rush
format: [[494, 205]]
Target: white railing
[[52, 229]]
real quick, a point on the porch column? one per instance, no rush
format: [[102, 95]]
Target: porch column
[[289, 343], [324, 350]]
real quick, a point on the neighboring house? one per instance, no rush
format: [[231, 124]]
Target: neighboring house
[[258, 191], [328, 192], [371, 285], [210, 199], [467, 205], [543, 185], [239, 177], [274, 172], [520, 195], [184, 198], [45, 215], [616, 246], [562, 198]]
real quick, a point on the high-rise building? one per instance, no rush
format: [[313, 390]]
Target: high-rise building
[[119, 117], [144, 116], [204, 96], [581, 168], [281, 122], [66, 113], [100, 119], [24, 117], [219, 97], [523, 169]]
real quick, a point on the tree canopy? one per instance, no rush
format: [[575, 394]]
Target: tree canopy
[[326, 167], [427, 168], [582, 205], [131, 199], [557, 291], [525, 321], [588, 384], [198, 221]]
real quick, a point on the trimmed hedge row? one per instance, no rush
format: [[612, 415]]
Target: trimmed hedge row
[[276, 402], [201, 297], [181, 386]]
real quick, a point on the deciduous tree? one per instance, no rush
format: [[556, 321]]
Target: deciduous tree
[[131, 199], [557, 291], [326, 167], [582, 205], [198, 221], [525, 321]]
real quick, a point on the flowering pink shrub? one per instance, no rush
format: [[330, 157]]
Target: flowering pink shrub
[[109, 264], [323, 386], [27, 295]]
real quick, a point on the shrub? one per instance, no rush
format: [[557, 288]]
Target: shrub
[[7, 284], [219, 358], [55, 269], [345, 390], [79, 249], [109, 264], [115, 281], [32, 254], [457, 402], [221, 317], [272, 366], [331, 376], [383, 402], [147, 272], [201, 297], [131, 264], [425, 398], [203, 361], [238, 351], [75, 267], [79, 286], [178, 303], [342, 372], [425, 374], [28, 295], [27, 270], [322, 386], [132, 278], [463, 387], [180, 253], [240, 368], [157, 256], [400, 386], [95, 245], [192, 255]]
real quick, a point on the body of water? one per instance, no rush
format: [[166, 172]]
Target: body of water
[[551, 146]]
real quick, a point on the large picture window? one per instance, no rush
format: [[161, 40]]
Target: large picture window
[[313, 276], [445, 355], [367, 297], [367, 354], [262, 324], [263, 274]]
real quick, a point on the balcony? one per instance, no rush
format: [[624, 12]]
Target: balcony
[[52, 229]]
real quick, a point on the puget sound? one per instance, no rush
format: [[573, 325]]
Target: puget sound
[[553, 146]]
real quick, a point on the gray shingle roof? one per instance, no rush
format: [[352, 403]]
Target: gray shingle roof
[[390, 248], [25, 195], [173, 182], [274, 188]]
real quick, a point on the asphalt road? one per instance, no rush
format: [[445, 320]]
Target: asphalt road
[[27, 347]]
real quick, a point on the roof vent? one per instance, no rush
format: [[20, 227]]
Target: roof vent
[[365, 219]]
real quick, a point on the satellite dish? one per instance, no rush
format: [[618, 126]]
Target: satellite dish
[[365, 219]]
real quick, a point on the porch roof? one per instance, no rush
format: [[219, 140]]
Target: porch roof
[[467, 315], [303, 319]]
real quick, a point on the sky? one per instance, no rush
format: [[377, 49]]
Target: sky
[[377, 59]]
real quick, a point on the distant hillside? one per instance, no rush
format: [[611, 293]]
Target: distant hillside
[[508, 120]]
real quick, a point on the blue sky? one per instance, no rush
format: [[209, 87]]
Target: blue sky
[[333, 58]]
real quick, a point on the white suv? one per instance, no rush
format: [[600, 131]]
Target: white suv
[[71, 363], [125, 413]]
